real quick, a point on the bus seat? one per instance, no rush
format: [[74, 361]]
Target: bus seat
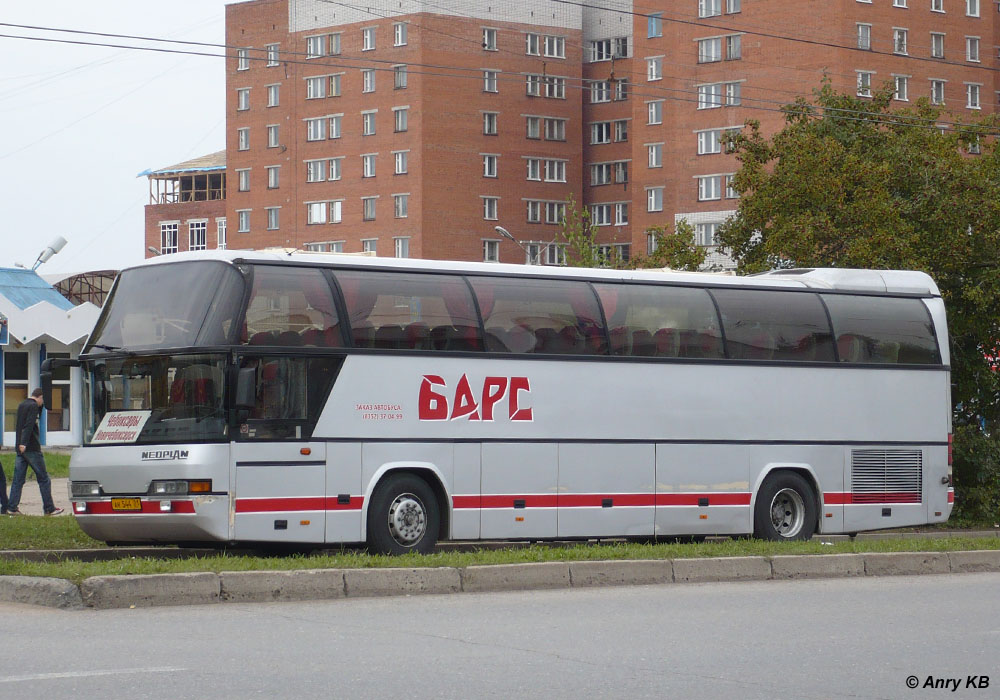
[[465, 338], [262, 338], [363, 336], [496, 339], [313, 337], [521, 340], [299, 322], [417, 336], [709, 345], [642, 343], [666, 340], [545, 340], [388, 337], [619, 340], [759, 347], [288, 338], [571, 340], [850, 348], [332, 337], [595, 342], [888, 352]]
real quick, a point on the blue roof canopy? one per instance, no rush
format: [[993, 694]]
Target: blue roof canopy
[[24, 288]]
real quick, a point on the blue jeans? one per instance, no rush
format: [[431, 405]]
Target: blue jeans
[[37, 463]]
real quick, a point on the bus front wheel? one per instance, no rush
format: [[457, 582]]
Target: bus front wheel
[[785, 508], [403, 516]]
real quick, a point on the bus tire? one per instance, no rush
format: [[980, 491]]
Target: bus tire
[[403, 516], [785, 508]]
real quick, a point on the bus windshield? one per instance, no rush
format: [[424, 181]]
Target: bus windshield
[[173, 305], [166, 398]]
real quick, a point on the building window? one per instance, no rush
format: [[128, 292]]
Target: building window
[[621, 130], [273, 177], [220, 233], [324, 212], [534, 212], [490, 123], [555, 87], [369, 245], [654, 25], [273, 139], [242, 59], [491, 250], [333, 122], [710, 50], [899, 3], [654, 153], [368, 123], [621, 172], [533, 127], [273, 95], [533, 85], [864, 83], [734, 47], [865, 37], [600, 214], [489, 39], [315, 170], [555, 129], [972, 96], [554, 46], [243, 221], [937, 45], [534, 166], [709, 188], [315, 46], [704, 234], [15, 373], [709, 142], [490, 207], [368, 165], [654, 68], [315, 129], [654, 199], [273, 218], [399, 34], [655, 112], [600, 174], [316, 87], [489, 81], [400, 116], [600, 132], [367, 80], [272, 54], [621, 89], [972, 49], [899, 41], [555, 254], [731, 192], [937, 5], [490, 165], [243, 138], [401, 207], [555, 170], [243, 180], [242, 99], [168, 237], [902, 84], [402, 247], [401, 158], [972, 8], [732, 7], [399, 76], [621, 214], [368, 208], [709, 8], [368, 39], [600, 91], [937, 92], [532, 254], [532, 44], [555, 212]]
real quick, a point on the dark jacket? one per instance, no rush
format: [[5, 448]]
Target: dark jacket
[[26, 428]]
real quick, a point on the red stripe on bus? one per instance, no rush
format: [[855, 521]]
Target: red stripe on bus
[[596, 500], [840, 499], [279, 505], [148, 508]]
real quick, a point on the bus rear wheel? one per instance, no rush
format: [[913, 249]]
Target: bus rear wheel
[[403, 516], [785, 508]]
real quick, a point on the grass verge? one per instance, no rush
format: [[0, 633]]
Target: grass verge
[[56, 464], [76, 571]]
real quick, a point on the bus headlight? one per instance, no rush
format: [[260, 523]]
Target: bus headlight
[[179, 487], [83, 489]]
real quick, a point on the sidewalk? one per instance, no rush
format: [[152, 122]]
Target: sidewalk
[[31, 499]]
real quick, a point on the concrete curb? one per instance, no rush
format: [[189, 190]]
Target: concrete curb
[[104, 592]]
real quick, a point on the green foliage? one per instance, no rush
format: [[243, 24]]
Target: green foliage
[[56, 464], [850, 182], [977, 475], [675, 250]]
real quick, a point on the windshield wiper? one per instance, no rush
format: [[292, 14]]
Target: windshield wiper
[[112, 348]]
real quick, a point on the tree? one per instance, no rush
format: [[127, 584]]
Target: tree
[[849, 182], [675, 250]]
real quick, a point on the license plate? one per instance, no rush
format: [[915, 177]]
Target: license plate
[[126, 504]]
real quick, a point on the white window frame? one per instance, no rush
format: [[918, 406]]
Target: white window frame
[[901, 84], [367, 80], [490, 123], [491, 164], [243, 220], [273, 218], [273, 177], [654, 199], [973, 95], [401, 205], [242, 99], [490, 39], [274, 95], [490, 81], [220, 233], [368, 38], [400, 162], [401, 245], [865, 83], [368, 122], [399, 34], [864, 36], [169, 239], [654, 112], [368, 164], [972, 49], [491, 250], [654, 155], [971, 8], [937, 44], [709, 187], [400, 119], [491, 208], [900, 37], [273, 53], [243, 138]]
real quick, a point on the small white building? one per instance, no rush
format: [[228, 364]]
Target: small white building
[[37, 322]]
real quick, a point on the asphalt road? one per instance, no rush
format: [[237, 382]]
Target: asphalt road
[[856, 638]]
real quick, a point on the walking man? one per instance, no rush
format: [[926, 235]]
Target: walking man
[[29, 453]]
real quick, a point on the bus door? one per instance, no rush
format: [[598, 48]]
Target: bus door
[[279, 482]]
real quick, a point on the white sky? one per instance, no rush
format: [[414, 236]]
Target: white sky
[[80, 122]]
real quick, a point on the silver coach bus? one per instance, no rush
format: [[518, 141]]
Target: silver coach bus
[[242, 397]]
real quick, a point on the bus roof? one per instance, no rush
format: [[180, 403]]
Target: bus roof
[[884, 281]]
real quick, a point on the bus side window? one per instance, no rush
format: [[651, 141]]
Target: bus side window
[[882, 330], [290, 307], [765, 325]]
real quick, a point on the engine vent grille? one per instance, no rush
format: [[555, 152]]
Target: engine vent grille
[[887, 476]]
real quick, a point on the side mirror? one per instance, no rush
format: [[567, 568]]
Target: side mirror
[[246, 388], [46, 375]]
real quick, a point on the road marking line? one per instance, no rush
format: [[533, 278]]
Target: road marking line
[[87, 674]]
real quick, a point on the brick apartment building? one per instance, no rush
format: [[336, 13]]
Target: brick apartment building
[[413, 128]]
